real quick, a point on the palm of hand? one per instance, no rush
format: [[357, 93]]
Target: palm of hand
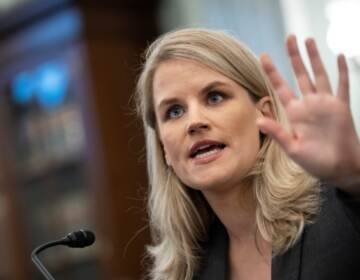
[[319, 123], [322, 137]]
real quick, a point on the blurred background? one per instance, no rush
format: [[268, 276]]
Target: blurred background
[[71, 147]]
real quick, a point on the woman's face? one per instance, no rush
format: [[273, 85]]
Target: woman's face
[[206, 123]]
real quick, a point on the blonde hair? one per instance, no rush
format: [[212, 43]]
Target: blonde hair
[[287, 197]]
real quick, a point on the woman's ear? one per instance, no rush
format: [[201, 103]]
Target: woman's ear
[[166, 157], [167, 160], [265, 108]]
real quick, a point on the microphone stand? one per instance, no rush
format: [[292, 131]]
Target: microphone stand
[[76, 239], [37, 261]]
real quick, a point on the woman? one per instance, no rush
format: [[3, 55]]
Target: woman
[[235, 169]]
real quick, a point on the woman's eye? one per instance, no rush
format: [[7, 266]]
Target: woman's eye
[[174, 112], [215, 97]]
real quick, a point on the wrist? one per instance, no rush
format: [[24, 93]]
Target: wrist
[[352, 183], [357, 164], [349, 181]]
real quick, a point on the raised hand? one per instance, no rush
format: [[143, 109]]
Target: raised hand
[[323, 138]]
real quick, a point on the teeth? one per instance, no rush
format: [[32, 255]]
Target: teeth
[[208, 153], [204, 147]]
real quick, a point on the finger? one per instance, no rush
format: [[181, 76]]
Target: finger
[[305, 84], [279, 84], [276, 131], [322, 82], [343, 87]]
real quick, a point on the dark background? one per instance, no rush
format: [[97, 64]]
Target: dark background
[[71, 148]]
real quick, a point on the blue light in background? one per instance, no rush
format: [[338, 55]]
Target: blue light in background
[[52, 85], [47, 84], [23, 87]]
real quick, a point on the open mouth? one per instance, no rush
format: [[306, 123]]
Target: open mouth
[[207, 150]]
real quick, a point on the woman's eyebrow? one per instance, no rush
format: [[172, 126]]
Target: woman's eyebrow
[[166, 101], [211, 86]]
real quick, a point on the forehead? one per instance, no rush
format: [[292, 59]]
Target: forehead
[[181, 76], [183, 69]]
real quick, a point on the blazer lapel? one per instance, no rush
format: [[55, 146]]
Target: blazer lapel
[[283, 267], [216, 266], [288, 265]]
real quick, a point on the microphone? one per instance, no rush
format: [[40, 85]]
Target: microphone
[[76, 239]]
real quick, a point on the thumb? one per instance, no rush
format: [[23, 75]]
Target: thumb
[[273, 129]]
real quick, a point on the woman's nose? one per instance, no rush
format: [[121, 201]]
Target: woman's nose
[[197, 127], [197, 120]]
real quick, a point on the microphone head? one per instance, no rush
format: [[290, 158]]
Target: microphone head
[[80, 239]]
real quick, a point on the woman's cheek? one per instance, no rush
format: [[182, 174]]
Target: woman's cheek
[[171, 148]]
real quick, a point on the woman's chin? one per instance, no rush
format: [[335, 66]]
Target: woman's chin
[[217, 182], [209, 183]]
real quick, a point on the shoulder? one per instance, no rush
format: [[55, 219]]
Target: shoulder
[[338, 219], [331, 245], [338, 210]]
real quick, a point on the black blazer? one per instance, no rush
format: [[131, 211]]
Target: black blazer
[[328, 249]]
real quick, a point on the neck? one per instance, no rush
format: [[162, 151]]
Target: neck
[[235, 208], [249, 253]]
